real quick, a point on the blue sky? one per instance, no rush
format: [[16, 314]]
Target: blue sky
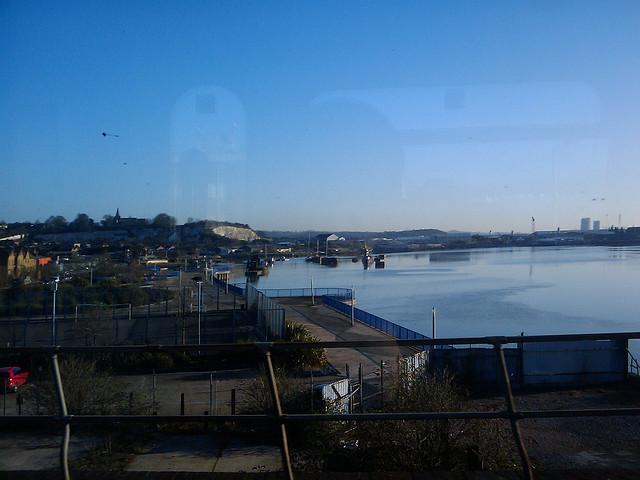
[[322, 115]]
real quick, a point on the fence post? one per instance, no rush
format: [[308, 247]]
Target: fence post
[[233, 401], [211, 393], [361, 382], [182, 312], [277, 407], [311, 375], [117, 324], [153, 394], [64, 449], [215, 396], [381, 384], [130, 403], [511, 409], [217, 297], [182, 404], [146, 329], [348, 374]]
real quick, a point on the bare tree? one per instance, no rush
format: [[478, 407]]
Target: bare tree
[[87, 390]]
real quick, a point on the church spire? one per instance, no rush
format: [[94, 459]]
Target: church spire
[[116, 219]]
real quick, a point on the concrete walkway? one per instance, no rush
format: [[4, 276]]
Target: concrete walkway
[[34, 451], [207, 453], [329, 325]]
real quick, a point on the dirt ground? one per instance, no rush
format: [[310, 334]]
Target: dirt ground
[[581, 442]]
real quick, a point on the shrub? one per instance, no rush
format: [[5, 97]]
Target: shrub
[[87, 391], [304, 358]]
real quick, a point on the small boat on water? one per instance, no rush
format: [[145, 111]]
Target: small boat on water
[[257, 266], [367, 259], [379, 261], [329, 261]]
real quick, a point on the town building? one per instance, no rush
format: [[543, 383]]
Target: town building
[[17, 263], [585, 224]]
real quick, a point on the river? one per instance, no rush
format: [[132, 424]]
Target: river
[[503, 291]]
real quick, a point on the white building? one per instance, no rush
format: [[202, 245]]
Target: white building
[[585, 224], [596, 225]]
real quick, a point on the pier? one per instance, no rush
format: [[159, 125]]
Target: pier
[[328, 324]]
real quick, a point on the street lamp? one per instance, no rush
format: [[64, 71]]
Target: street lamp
[[198, 281], [199, 311], [53, 313]]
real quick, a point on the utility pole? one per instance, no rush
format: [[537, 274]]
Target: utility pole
[[199, 310], [53, 313], [433, 322]]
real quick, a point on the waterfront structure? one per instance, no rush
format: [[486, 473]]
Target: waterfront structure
[[585, 224], [596, 225]]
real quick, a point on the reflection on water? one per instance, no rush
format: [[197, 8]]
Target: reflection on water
[[455, 256], [490, 291]]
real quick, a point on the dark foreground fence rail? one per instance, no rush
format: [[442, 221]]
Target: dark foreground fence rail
[[280, 420]]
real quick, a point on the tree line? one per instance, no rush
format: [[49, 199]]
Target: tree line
[[84, 223]]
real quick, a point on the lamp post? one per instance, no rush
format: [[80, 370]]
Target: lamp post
[[433, 322], [199, 310], [53, 312], [353, 306]]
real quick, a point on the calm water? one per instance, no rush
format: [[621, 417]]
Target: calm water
[[490, 291]]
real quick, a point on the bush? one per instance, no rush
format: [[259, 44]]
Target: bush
[[426, 445], [300, 359], [87, 391]]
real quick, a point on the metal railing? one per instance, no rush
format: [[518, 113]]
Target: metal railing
[[238, 289], [342, 293], [233, 288], [374, 321], [634, 365], [281, 419], [270, 316]]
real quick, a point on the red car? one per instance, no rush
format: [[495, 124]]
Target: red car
[[13, 377]]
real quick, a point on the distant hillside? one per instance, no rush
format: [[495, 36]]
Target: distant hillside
[[229, 230], [303, 235]]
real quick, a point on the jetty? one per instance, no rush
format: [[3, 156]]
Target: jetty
[[327, 324]]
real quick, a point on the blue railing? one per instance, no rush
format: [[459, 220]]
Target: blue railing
[[342, 293], [332, 297], [374, 321]]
